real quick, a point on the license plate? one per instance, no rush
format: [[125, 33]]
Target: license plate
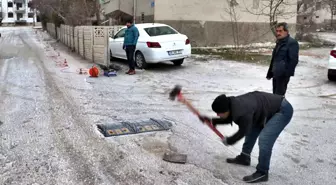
[[175, 52]]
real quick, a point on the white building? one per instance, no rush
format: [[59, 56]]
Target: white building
[[207, 22], [17, 12]]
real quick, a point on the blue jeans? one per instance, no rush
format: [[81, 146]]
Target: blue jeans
[[268, 135]]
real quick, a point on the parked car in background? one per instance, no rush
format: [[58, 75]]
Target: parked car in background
[[332, 65], [156, 43]]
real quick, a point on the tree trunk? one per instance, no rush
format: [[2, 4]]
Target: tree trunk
[[331, 20], [97, 12]]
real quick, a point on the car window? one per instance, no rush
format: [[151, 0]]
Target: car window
[[120, 34], [160, 30]]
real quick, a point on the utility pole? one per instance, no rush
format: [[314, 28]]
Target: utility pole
[[134, 11], [34, 17]]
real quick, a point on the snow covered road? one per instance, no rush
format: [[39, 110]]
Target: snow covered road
[[49, 135]]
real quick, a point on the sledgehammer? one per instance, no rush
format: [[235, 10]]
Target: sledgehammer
[[177, 92]]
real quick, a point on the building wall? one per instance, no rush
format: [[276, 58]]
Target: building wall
[[207, 22], [126, 6], [315, 15], [144, 6], [214, 10], [110, 5], [6, 10]]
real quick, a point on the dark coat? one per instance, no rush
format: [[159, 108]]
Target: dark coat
[[252, 109], [285, 57]]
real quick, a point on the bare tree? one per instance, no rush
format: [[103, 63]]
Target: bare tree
[[72, 12], [273, 9], [331, 4], [234, 17]]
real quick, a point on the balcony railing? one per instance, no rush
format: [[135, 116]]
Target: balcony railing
[[21, 20], [19, 1], [20, 10]]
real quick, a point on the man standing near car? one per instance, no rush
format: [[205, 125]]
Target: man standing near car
[[130, 42], [285, 57]]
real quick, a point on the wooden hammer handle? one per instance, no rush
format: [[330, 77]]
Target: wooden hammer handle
[[195, 111]]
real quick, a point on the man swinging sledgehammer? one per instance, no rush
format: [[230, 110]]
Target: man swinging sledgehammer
[[258, 114]]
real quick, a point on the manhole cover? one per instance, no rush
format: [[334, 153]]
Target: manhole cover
[[124, 128]]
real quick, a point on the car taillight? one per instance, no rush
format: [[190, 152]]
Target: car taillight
[[153, 45], [333, 53], [187, 42]]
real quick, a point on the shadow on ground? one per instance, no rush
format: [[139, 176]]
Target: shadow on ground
[[163, 66]]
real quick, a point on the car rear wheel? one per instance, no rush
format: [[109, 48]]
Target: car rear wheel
[[140, 60], [332, 75], [178, 62]]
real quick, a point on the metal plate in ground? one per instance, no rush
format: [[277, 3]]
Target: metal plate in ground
[[175, 157], [125, 128], [115, 129]]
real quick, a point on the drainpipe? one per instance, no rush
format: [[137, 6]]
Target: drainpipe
[[134, 11]]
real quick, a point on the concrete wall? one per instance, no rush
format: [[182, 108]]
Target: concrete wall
[[91, 42], [216, 10], [126, 6], [110, 6], [145, 7], [207, 22], [211, 33]]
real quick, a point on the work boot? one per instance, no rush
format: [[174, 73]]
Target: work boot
[[128, 71], [241, 159], [257, 176], [132, 72]]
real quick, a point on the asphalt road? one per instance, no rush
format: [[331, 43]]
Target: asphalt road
[[49, 116]]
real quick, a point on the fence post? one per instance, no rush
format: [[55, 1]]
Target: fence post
[[83, 42], [92, 42], [107, 51]]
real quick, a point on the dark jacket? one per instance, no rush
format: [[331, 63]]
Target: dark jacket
[[285, 57], [131, 36], [252, 109]]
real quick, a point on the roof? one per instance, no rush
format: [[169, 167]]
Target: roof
[[147, 25]]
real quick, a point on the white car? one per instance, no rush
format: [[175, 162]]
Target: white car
[[332, 65], [156, 43]]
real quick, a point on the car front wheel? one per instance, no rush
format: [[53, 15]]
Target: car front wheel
[[140, 60], [178, 62], [111, 56]]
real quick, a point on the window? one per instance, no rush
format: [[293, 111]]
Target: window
[[30, 15], [161, 30], [142, 17], [19, 16], [334, 9], [10, 15], [30, 4], [256, 4], [120, 34], [10, 4]]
